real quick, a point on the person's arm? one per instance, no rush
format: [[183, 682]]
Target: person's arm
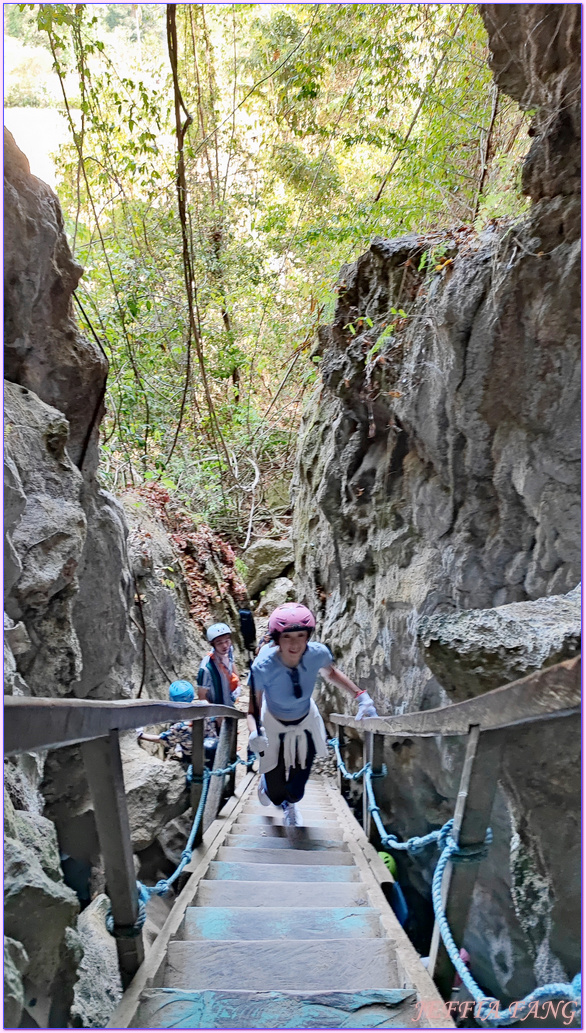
[[337, 677], [250, 715], [148, 737], [366, 707]]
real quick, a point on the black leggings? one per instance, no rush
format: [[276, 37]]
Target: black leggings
[[281, 789]]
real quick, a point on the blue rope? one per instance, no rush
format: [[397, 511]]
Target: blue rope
[[487, 1008], [346, 774]]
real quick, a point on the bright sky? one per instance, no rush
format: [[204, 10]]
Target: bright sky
[[38, 132]]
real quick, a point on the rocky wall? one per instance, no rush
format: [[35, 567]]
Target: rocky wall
[[439, 469]]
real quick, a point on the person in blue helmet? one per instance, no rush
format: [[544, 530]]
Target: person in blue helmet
[[177, 738]]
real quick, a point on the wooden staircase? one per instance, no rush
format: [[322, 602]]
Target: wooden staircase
[[282, 928]]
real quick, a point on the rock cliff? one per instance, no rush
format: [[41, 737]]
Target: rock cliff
[[439, 470]]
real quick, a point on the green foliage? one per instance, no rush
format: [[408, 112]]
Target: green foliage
[[314, 127]]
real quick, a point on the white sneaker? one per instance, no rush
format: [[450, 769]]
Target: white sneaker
[[291, 815], [263, 796]]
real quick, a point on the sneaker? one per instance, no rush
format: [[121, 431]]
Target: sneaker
[[291, 815], [263, 796]]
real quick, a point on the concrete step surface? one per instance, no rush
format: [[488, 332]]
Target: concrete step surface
[[220, 893], [247, 923], [304, 965], [251, 872], [266, 855], [249, 1009]]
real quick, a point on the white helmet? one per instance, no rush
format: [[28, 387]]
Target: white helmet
[[216, 630]]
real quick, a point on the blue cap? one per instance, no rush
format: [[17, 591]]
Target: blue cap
[[181, 692]]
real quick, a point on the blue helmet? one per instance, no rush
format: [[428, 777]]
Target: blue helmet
[[181, 692]]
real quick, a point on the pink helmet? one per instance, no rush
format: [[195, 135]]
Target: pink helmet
[[291, 617]]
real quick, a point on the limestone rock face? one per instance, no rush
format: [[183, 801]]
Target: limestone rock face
[[30, 892], [15, 965], [536, 60], [278, 592], [266, 560], [439, 472], [48, 536], [474, 651], [98, 988], [41, 335]]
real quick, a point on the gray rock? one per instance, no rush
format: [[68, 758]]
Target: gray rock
[[38, 834], [98, 988], [41, 333], [478, 650], [28, 891], [14, 507], [277, 592], [155, 792], [48, 539], [266, 560], [15, 965]]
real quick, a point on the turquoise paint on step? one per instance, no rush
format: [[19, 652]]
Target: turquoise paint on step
[[208, 1009]]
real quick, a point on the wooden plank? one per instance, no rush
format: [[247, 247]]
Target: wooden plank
[[216, 787], [553, 692], [198, 767], [103, 765], [32, 723], [471, 819], [232, 754], [373, 753]]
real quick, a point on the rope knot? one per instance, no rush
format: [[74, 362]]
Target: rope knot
[[186, 855], [126, 932]]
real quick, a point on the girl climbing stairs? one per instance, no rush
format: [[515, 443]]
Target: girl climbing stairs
[[282, 928]]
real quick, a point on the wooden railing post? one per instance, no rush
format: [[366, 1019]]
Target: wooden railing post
[[103, 765], [471, 819], [197, 767], [232, 754], [341, 744], [372, 753]]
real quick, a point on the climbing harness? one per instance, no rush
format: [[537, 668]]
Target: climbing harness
[[487, 1010], [163, 885]]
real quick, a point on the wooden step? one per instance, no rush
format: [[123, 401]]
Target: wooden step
[[305, 832], [294, 841], [251, 872], [267, 856], [219, 893], [280, 965], [163, 1008], [247, 923], [276, 820], [254, 807]]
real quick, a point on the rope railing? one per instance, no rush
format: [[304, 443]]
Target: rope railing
[[163, 885], [487, 1010]]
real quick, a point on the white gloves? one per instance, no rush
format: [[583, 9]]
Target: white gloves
[[366, 707], [236, 694], [258, 742]]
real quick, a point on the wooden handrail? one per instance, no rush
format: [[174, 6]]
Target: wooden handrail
[[550, 693], [33, 723]]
